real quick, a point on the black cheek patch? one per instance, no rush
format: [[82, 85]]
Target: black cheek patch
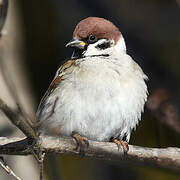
[[104, 45]]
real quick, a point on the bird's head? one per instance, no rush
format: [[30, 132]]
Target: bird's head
[[95, 36]]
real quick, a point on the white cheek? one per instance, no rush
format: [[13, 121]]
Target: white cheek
[[92, 50], [120, 47]]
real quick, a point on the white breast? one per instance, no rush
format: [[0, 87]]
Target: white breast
[[102, 98]]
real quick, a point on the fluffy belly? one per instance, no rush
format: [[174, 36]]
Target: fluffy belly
[[96, 113], [95, 105]]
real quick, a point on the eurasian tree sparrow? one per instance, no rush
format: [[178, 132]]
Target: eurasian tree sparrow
[[100, 92]]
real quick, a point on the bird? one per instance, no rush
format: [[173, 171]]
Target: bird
[[99, 93]]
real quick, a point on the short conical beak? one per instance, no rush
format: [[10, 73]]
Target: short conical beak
[[77, 44]]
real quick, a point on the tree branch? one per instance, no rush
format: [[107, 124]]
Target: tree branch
[[168, 158], [18, 118], [8, 169]]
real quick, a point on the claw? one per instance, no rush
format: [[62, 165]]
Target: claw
[[120, 143], [80, 140]]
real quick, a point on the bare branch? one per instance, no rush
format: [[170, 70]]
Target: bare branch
[[41, 161], [13, 79], [168, 158], [8, 169], [17, 117]]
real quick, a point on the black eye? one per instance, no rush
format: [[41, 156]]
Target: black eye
[[92, 38]]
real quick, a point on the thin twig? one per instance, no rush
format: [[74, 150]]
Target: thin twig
[[41, 161], [13, 90], [39, 156], [18, 119], [8, 169]]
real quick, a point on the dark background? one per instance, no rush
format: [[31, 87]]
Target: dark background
[[152, 33]]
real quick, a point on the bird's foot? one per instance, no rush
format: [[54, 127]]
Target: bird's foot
[[120, 143], [81, 141]]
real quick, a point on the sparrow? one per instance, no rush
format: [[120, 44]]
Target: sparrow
[[99, 93]]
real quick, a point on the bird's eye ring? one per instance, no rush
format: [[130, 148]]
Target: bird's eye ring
[[92, 38]]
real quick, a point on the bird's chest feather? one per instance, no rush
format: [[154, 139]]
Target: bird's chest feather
[[98, 101]]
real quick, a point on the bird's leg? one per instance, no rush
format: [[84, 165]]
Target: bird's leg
[[121, 143], [80, 140]]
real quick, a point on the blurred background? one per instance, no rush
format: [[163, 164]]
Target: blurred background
[[37, 32]]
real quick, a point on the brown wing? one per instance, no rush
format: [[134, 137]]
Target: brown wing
[[58, 78]]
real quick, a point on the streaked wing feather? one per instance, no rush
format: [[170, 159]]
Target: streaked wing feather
[[56, 81]]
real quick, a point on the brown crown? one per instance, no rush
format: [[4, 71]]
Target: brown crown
[[100, 27]]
